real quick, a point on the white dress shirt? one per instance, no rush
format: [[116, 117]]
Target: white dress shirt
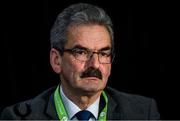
[[72, 108]]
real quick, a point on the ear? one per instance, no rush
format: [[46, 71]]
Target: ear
[[55, 60]]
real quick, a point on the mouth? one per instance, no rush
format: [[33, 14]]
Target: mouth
[[93, 78], [96, 79]]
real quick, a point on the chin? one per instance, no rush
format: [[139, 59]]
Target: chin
[[91, 85], [92, 88]]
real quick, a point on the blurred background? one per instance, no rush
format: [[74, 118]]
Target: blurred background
[[146, 37]]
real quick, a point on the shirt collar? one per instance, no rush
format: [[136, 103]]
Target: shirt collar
[[72, 108]]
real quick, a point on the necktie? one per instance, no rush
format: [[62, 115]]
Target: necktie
[[83, 115]]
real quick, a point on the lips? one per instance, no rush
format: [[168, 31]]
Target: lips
[[91, 78]]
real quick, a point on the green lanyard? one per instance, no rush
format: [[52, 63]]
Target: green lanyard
[[62, 114]]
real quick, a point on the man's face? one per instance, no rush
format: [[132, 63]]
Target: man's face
[[74, 73]]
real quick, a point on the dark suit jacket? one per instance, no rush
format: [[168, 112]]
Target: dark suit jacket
[[120, 106]]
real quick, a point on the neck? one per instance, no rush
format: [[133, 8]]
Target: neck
[[82, 100]]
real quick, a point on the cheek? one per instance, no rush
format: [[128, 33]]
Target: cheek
[[72, 69], [106, 70]]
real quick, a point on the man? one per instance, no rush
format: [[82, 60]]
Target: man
[[82, 51]]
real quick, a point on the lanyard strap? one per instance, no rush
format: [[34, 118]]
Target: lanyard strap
[[61, 111]]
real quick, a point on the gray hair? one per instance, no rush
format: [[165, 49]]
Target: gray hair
[[78, 14]]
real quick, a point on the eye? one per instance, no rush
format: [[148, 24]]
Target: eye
[[80, 52], [104, 54]]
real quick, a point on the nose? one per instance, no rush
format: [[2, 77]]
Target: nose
[[94, 61]]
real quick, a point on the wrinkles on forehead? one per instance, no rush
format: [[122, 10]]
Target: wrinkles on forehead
[[94, 37]]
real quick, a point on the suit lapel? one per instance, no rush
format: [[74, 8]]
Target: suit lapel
[[114, 110], [51, 111]]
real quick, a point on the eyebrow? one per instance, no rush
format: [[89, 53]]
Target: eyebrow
[[80, 47], [84, 48], [105, 48]]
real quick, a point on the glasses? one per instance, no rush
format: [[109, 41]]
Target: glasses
[[83, 55]]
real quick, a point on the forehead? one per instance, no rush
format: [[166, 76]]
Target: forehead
[[92, 37]]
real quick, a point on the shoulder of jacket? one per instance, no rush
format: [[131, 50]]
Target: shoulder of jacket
[[24, 108], [133, 106], [127, 97]]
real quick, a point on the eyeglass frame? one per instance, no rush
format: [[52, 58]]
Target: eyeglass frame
[[90, 54]]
